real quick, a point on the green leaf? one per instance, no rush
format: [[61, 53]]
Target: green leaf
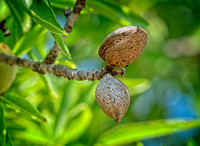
[[70, 98], [115, 12], [31, 136], [75, 128], [12, 125], [62, 3], [2, 126], [23, 105], [28, 40], [136, 86], [47, 3], [66, 63], [128, 133], [32, 131], [4, 10], [16, 31], [2, 36], [4, 134], [35, 53], [61, 44], [21, 16], [109, 9], [50, 85], [43, 14], [89, 96]]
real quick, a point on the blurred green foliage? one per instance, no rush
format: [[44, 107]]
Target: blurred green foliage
[[164, 82]]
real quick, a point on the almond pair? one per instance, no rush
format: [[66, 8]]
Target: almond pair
[[119, 49]]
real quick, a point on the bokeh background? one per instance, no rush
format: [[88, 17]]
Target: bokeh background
[[164, 82]]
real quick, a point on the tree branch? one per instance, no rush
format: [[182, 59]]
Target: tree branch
[[59, 70], [48, 66], [71, 18]]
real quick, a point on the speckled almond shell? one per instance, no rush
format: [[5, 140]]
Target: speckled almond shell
[[123, 46], [113, 97]]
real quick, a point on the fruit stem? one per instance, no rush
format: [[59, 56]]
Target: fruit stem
[[114, 72]]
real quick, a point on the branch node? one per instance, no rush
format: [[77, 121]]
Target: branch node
[[71, 18], [67, 12], [120, 72], [4, 29]]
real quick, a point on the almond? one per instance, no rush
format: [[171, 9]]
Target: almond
[[113, 97], [123, 46]]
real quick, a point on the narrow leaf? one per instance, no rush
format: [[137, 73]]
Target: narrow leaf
[[16, 30], [67, 63], [69, 99], [83, 113], [50, 85], [136, 86], [23, 105], [2, 126], [62, 44], [28, 40], [43, 14], [4, 10], [21, 16], [89, 96], [33, 132], [128, 133], [109, 9], [62, 3], [31, 136], [114, 12]]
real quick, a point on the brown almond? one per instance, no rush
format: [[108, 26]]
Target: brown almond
[[123, 46], [113, 97]]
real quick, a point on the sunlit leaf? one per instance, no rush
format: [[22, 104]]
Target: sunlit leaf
[[10, 124], [32, 131], [50, 85], [75, 128], [35, 53], [47, 3], [20, 103], [62, 3], [2, 126], [115, 12], [67, 63], [62, 44], [69, 99], [43, 14], [136, 86], [31, 136], [89, 96], [128, 133], [28, 130], [16, 30], [4, 10], [21, 16], [28, 40], [2, 36], [108, 9]]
